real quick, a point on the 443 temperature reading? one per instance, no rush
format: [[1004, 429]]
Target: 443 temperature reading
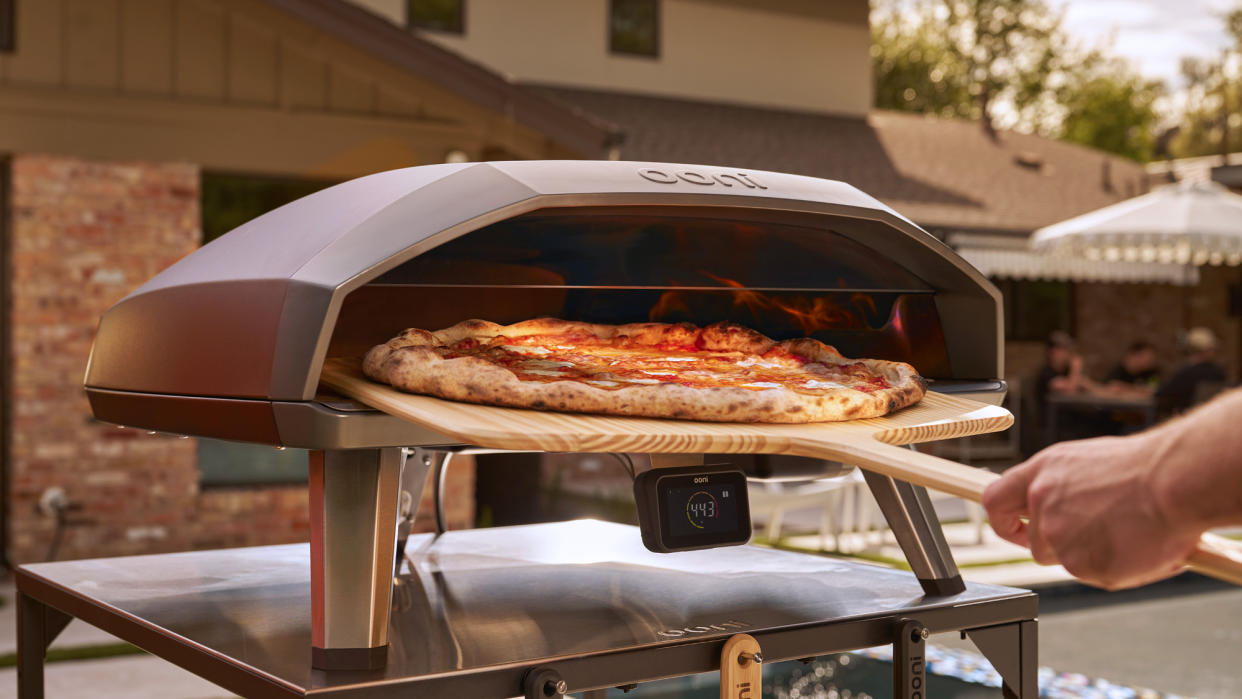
[[700, 508]]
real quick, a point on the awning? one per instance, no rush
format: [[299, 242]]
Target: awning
[[1005, 257]]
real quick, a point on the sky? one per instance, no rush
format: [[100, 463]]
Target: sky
[[1153, 34]]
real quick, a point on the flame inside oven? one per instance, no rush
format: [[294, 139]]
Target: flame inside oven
[[856, 311]]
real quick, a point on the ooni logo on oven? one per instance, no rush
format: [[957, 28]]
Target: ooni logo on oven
[[694, 630], [727, 179]]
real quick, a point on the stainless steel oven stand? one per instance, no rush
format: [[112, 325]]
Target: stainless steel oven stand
[[355, 503], [355, 496]]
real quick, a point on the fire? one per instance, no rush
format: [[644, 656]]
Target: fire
[[818, 314], [668, 302], [808, 314], [752, 300]]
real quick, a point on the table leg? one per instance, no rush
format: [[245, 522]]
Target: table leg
[[354, 499], [37, 626], [1013, 650]]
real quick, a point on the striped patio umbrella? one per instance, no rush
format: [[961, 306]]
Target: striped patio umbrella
[[1183, 223]]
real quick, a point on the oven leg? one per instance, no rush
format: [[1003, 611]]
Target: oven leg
[[1013, 649], [913, 520], [37, 626], [353, 499]]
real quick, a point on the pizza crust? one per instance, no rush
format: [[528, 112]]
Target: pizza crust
[[409, 362]]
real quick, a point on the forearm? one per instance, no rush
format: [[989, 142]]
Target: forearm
[[1196, 472]]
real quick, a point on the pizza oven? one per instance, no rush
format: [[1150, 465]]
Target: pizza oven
[[231, 341], [228, 343]]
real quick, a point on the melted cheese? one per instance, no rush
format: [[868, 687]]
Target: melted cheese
[[526, 349], [542, 372], [816, 383]]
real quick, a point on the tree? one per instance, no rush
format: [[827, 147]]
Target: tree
[[990, 60], [1107, 106], [915, 70], [1008, 63], [1211, 115]]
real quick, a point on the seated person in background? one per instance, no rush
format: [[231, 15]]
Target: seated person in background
[[1136, 374], [1062, 374], [1062, 371], [1198, 379]]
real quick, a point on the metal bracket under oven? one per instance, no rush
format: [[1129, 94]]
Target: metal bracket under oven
[[914, 523]]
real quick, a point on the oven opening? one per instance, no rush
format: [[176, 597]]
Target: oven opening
[[783, 280]]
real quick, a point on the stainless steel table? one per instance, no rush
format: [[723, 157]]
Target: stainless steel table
[[474, 611]]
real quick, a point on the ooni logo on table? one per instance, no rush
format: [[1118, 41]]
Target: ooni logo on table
[[692, 630]]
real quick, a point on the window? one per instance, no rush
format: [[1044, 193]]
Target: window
[[8, 26], [223, 463], [1034, 309], [231, 200], [227, 202], [634, 27], [438, 15]]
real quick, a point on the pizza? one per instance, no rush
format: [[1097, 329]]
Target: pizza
[[722, 372]]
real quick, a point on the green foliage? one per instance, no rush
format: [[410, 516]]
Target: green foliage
[[1211, 117], [986, 59], [1009, 64], [1113, 110], [916, 71], [55, 655]]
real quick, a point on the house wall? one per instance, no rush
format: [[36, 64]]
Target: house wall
[[230, 85], [82, 235], [795, 54]]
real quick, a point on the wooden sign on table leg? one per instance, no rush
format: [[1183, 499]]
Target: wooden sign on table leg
[[741, 675]]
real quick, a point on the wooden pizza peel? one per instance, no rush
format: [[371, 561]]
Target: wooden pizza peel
[[874, 444]]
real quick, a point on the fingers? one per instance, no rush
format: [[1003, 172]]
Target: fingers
[[1005, 499], [1041, 550]]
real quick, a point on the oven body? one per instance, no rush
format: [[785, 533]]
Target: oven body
[[228, 343]]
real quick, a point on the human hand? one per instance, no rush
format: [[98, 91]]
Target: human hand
[[1091, 506], [1075, 363]]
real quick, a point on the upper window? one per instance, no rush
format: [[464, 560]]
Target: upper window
[[8, 29], [634, 27], [438, 15]]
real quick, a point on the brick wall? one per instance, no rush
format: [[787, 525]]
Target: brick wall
[[1111, 316], [84, 234]]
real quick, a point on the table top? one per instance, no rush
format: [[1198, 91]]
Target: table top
[[584, 595]]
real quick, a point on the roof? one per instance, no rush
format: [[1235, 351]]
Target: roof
[[943, 174], [364, 30]]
